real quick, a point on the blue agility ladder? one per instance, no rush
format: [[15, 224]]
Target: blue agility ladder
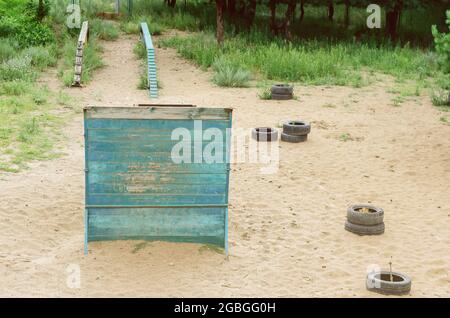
[[151, 63]]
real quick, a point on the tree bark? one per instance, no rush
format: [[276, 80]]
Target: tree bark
[[288, 18], [220, 5], [347, 13], [272, 21], [330, 10], [41, 10], [393, 20], [302, 10], [171, 3]]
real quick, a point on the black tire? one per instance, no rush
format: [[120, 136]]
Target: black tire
[[296, 128], [379, 282], [365, 229], [291, 138], [282, 89], [265, 134], [373, 217], [281, 96]]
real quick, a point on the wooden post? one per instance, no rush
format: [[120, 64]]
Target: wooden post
[[220, 4], [82, 39]]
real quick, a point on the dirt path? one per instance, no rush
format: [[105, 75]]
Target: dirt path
[[286, 229]]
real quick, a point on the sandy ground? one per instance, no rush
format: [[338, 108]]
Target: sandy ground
[[286, 229]]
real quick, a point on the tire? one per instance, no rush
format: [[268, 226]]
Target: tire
[[365, 229], [291, 138], [265, 134], [372, 218], [296, 128], [379, 282], [282, 89], [281, 96]]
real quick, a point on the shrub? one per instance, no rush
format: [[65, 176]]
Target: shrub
[[229, 75], [41, 57], [18, 68], [442, 43], [6, 50], [265, 94], [440, 98]]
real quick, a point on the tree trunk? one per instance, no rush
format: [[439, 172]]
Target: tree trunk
[[220, 5], [171, 3], [288, 18], [393, 20], [250, 12], [347, 14], [272, 21], [302, 10], [330, 10], [41, 10]]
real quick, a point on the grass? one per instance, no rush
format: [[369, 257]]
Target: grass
[[230, 75], [345, 137], [104, 30], [28, 129], [265, 94], [91, 60], [312, 62], [211, 248]]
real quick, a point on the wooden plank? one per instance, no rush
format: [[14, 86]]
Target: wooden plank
[[82, 38], [111, 188], [139, 178], [167, 105], [202, 225], [154, 199], [151, 112]]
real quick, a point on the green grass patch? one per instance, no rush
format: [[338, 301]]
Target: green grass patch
[[311, 62], [228, 74], [103, 29]]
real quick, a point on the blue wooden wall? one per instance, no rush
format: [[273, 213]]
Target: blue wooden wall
[[133, 188]]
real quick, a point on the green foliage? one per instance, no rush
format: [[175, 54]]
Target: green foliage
[[442, 43], [26, 31]]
